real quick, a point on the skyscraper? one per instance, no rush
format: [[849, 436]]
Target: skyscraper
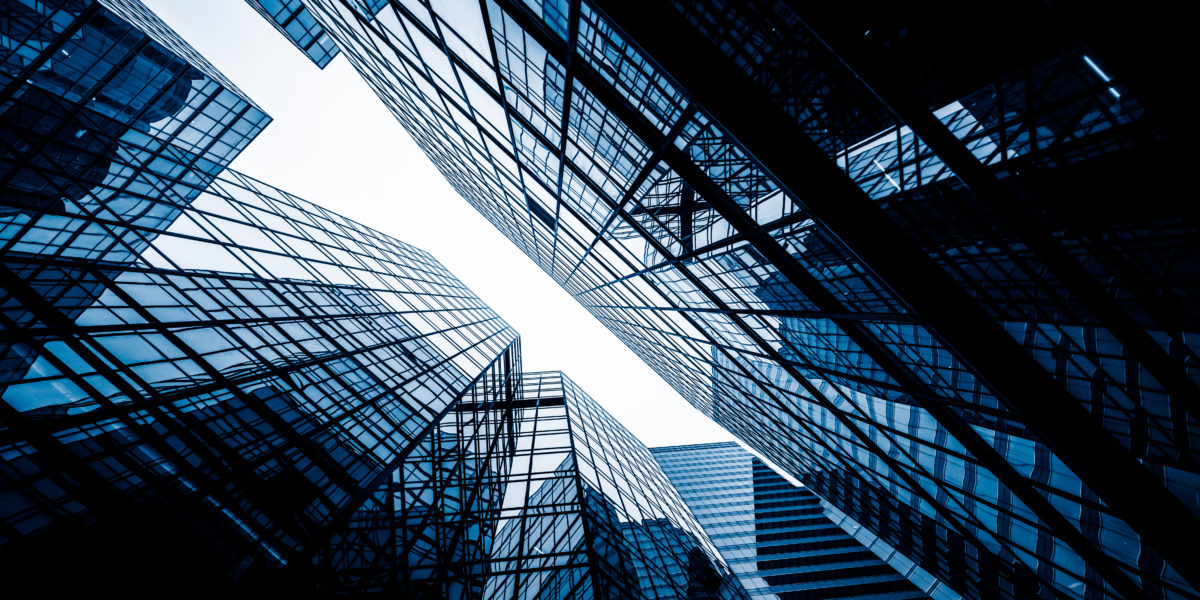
[[232, 394], [101, 103], [201, 373], [212, 386], [580, 508], [939, 279], [110, 127], [101, 108], [776, 536], [275, 397]]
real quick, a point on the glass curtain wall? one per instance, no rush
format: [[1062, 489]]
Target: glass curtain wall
[[233, 394], [777, 536], [951, 301], [526, 488]]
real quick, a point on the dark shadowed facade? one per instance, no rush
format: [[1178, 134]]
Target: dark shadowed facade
[[940, 276]]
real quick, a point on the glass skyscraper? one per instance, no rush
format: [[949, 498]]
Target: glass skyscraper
[[937, 275], [211, 386], [202, 374], [777, 537], [526, 489], [587, 513], [234, 392], [110, 128]]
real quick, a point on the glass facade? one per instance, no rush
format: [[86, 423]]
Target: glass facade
[[526, 488], [203, 376], [110, 129], [588, 513], [947, 289], [299, 27], [210, 385], [776, 536], [102, 106]]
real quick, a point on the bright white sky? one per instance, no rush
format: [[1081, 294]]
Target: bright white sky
[[334, 143]]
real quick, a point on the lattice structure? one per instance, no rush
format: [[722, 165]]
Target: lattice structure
[[214, 386], [528, 489], [257, 370], [941, 279]]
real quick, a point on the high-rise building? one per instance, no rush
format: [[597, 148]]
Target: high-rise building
[[776, 536], [110, 128], [943, 281], [202, 375], [572, 507], [212, 386], [102, 103], [217, 408], [109, 125]]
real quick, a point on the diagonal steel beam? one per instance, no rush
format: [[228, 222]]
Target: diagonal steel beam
[[890, 84]]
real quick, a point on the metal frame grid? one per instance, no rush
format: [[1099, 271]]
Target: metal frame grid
[[642, 539], [427, 529], [293, 20], [101, 108], [227, 373], [211, 383], [526, 488], [893, 310]]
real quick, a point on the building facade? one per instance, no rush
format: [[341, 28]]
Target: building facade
[[526, 489], [292, 19], [215, 410], [212, 386], [776, 536], [287, 400], [951, 291], [202, 374]]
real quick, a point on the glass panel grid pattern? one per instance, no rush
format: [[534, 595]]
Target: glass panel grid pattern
[[528, 489], [257, 367], [715, 269], [776, 536], [645, 541], [293, 20]]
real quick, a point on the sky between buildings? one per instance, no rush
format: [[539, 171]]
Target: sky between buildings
[[334, 143]]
